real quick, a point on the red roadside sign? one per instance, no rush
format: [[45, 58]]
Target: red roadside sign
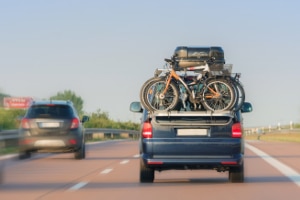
[[17, 102]]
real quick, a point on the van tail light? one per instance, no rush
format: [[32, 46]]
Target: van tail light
[[236, 130], [25, 123], [75, 123], [229, 163], [147, 130], [155, 162]]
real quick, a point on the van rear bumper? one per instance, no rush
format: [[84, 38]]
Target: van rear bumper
[[221, 162]]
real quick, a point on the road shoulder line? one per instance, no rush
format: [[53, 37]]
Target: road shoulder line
[[284, 169]]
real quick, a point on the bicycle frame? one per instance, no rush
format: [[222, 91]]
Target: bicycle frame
[[173, 74]]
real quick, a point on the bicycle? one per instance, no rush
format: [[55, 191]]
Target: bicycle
[[204, 92], [233, 79], [241, 95]]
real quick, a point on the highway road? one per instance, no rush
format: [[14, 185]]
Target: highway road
[[110, 171]]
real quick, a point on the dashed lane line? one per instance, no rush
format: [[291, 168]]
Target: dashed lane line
[[106, 171], [8, 156], [77, 186], [82, 184], [124, 162], [284, 169]]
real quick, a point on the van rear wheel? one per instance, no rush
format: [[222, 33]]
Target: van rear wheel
[[146, 173], [236, 174]]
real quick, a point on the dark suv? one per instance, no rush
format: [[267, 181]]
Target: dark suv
[[52, 126]]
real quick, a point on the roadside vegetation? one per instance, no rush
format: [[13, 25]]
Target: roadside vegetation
[[8, 150], [276, 137]]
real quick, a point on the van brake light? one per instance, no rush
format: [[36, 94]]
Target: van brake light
[[147, 130], [236, 130]]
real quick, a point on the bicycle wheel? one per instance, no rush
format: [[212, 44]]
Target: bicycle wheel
[[143, 93], [156, 100], [241, 96], [218, 95]]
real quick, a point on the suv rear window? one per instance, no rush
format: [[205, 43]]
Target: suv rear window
[[50, 111]]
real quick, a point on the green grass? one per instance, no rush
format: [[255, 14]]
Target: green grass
[[279, 137], [8, 150]]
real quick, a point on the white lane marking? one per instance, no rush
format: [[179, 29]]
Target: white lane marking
[[284, 169], [8, 156], [124, 162], [136, 156], [77, 186], [106, 171]]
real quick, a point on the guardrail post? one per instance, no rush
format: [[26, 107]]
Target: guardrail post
[[98, 135], [2, 144], [124, 135]]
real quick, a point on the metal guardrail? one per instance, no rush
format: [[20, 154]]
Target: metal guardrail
[[8, 134], [258, 131], [9, 138]]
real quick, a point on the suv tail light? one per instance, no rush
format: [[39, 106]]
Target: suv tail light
[[25, 123], [147, 130], [75, 123], [236, 130]]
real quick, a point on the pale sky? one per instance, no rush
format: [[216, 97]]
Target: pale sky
[[104, 50]]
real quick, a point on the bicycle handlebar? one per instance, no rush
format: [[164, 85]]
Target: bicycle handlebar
[[172, 61]]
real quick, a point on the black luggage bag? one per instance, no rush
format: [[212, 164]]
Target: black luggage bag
[[196, 56]]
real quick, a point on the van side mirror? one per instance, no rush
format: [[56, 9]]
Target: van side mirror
[[247, 107]]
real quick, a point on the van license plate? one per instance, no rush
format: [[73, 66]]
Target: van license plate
[[192, 132]]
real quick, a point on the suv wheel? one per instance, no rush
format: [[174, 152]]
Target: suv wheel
[[236, 174], [146, 173], [24, 154], [80, 153]]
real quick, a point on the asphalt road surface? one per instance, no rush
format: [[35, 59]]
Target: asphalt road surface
[[111, 171]]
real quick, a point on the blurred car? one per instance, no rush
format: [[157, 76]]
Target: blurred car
[[52, 126]]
